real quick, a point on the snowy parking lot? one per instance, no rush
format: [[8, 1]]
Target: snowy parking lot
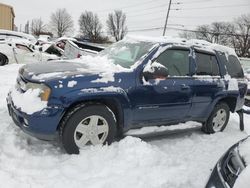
[[175, 160]]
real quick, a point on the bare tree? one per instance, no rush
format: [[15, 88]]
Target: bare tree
[[204, 33], [235, 34], [187, 35], [61, 22], [116, 24], [37, 26], [242, 39], [90, 26]]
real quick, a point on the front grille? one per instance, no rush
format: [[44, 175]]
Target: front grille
[[232, 165]]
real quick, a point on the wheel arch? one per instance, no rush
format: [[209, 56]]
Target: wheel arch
[[5, 57], [112, 103], [230, 101]]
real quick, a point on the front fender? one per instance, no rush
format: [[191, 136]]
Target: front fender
[[115, 93]]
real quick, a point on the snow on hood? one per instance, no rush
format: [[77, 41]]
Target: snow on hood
[[23, 100], [86, 65]]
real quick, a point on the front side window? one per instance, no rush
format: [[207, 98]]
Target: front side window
[[176, 61], [207, 64], [22, 47]]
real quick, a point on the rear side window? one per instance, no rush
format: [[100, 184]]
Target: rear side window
[[206, 64], [234, 68]]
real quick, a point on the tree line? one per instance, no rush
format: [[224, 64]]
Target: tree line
[[91, 28], [235, 34]]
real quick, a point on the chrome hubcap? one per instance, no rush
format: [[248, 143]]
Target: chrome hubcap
[[91, 130], [219, 120]]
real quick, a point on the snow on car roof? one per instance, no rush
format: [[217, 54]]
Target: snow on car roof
[[205, 45], [19, 34]]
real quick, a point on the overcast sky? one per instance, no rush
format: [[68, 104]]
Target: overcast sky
[[141, 14]]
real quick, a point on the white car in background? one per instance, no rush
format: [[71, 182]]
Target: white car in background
[[18, 51], [6, 34]]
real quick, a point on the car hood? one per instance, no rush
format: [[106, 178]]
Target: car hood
[[51, 70]]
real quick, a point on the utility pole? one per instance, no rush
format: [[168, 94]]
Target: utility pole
[[166, 22]]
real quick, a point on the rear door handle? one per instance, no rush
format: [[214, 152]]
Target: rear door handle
[[184, 87]]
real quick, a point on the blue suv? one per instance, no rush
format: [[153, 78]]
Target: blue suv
[[159, 81]]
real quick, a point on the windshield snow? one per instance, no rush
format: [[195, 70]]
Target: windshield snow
[[126, 53]]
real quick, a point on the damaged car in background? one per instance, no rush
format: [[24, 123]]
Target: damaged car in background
[[19, 51], [71, 48]]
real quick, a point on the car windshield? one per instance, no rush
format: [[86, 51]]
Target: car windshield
[[126, 53]]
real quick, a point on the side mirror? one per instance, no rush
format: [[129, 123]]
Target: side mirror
[[154, 71]]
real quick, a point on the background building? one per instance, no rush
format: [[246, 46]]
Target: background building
[[7, 16]]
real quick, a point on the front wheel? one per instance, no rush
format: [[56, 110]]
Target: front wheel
[[3, 60], [218, 119], [87, 125]]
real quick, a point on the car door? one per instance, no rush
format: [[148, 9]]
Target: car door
[[25, 55], [165, 100], [207, 83]]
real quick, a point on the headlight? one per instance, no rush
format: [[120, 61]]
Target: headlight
[[45, 90]]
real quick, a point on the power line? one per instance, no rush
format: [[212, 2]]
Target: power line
[[161, 11], [159, 6], [189, 30], [211, 7], [179, 17], [125, 7], [193, 2]]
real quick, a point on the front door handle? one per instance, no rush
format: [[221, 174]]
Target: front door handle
[[184, 87]]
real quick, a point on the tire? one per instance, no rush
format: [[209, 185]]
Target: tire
[[79, 127], [3, 60], [218, 119]]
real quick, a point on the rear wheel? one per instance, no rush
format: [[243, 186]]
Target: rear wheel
[[87, 125], [218, 119], [3, 60]]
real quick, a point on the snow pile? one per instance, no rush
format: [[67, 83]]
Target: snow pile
[[72, 83], [173, 161], [8, 76], [29, 102], [155, 129]]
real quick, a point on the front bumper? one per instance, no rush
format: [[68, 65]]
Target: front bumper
[[216, 180], [42, 125]]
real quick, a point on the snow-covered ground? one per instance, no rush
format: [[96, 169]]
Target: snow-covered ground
[[172, 161]]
